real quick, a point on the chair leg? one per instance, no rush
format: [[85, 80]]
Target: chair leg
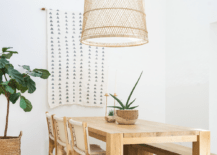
[[60, 150], [51, 146], [74, 153], [70, 153]]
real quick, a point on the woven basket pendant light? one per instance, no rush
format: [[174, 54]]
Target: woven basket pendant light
[[114, 23]]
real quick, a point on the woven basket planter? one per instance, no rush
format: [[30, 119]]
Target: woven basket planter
[[11, 145], [127, 117], [110, 119]]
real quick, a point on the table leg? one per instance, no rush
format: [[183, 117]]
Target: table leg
[[202, 146], [114, 144]]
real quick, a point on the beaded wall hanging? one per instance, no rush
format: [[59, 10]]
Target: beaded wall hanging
[[78, 72]]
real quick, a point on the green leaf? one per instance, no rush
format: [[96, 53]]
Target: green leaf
[[8, 85], [9, 54], [3, 62], [7, 66], [22, 102], [4, 49], [32, 73], [13, 52], [9, 89], [25, 104], [35, 74], [26, 67], [133, 107], [13, 83], [116, 107], [14, 74], [28, 106], [2, 90], [30, 84], [14, 97], [133, 90], [1, 75], [5, 83], [45, 73], [131, 103], [22, 88], [119, 101]]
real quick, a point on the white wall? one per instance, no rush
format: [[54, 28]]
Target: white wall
[[23, 27], [213, 86], [187, 67], [212, 4], [190, 73]]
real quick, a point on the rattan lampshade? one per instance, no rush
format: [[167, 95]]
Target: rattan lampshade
[[114, 23]]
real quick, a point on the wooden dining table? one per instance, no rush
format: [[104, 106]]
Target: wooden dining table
[[118, 137]]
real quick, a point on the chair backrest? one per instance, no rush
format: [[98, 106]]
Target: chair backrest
[[61, 130], [79, 135], [50, 124]]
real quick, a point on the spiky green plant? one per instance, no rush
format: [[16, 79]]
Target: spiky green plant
[[127, 105], [111, 113], [14, 83]]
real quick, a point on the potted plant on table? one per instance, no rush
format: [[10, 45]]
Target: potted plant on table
[[12, 85], [126, 114], [110, 118]]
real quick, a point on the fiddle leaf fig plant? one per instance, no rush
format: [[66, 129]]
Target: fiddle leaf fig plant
[[13, 83], [128, 104]]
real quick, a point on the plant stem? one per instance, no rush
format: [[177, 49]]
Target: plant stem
[[7, 116], [5, 77]]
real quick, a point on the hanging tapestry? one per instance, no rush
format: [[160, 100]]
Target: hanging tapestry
[[78, 72]]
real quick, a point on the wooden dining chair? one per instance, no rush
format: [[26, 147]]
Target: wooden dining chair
[[62, 142], [52, 136], [80, 140]]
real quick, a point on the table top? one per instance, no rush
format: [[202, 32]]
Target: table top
[[142, 128]]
